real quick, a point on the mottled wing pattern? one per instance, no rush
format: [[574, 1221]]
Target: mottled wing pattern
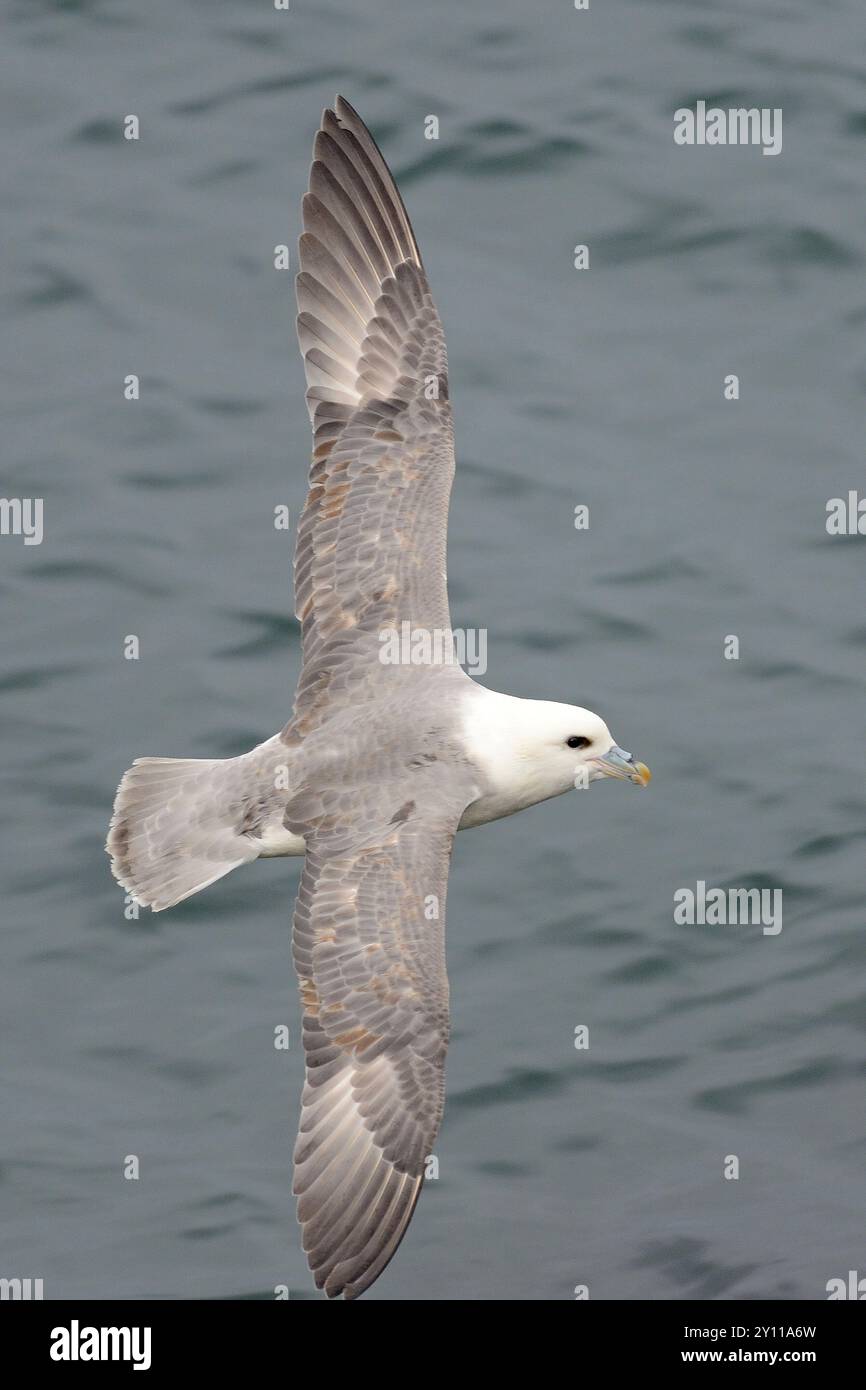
[[369, 948], [371, 541]]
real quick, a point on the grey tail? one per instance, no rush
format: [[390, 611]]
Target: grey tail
[[178, 825]]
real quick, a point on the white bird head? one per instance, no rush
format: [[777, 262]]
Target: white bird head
[[570, 747], [535, 749]]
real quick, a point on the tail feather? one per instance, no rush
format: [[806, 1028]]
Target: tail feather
[[178, 825]]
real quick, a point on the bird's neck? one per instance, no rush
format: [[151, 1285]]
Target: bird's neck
[[498, 737]]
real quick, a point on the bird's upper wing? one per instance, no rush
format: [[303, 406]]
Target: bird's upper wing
[[371, 540], [369, 948]]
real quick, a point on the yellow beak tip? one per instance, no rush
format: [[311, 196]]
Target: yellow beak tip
[[643, 773]]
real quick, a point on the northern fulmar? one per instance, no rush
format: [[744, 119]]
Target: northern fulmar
[[382, 760]]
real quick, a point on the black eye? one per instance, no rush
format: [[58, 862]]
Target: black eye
[[577, 742]]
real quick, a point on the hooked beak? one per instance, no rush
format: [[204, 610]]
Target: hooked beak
[[618, 763]]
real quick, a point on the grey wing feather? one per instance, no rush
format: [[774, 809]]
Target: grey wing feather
[[371, 541], [368, 944]]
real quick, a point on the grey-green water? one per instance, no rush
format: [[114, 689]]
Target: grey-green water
[[602, 387]]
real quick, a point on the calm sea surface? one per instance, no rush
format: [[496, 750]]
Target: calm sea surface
[[603, 387]]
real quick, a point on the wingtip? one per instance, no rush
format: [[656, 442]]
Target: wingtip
[[340, 105], [347, 115]]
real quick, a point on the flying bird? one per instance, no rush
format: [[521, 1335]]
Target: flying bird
[[382, 761]]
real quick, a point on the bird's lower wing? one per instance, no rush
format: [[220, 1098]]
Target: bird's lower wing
[[369, 948]]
